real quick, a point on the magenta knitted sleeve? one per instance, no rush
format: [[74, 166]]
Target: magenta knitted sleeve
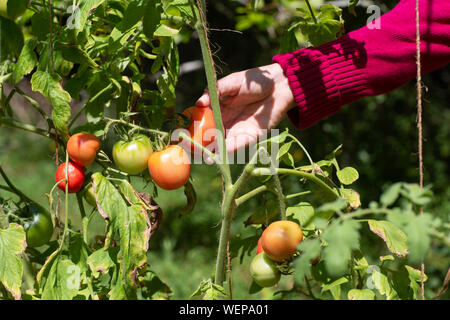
[[366, 62]]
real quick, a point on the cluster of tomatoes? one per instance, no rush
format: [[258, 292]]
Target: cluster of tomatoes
[[277, 244], [169, 168]]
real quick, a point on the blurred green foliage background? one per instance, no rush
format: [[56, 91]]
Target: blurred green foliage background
[[378, 134]]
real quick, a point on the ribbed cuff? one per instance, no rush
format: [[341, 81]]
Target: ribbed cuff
[[324, 78]]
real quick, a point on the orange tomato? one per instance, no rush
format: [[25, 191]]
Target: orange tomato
[[170, 168], [280, 239], [259, 248], [202, 128], [82, 148]]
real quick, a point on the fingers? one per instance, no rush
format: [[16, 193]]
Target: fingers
[[227, 87]]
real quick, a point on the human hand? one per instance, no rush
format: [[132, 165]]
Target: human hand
[[251, 102]]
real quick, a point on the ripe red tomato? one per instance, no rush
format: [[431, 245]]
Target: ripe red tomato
[[264, 271], [259, 248], [132, 156], [202, 128], [76, 177], [82, 148], [280, 239], [170, 168]]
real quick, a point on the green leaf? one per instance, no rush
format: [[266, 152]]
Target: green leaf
[[365, 294], [335, 287], [310, 249], [394, 237], [100, 262], [152, 17], [347, 175], [379, 280], [75, 54], [12, 245], [327, 210], [153, 288], [11, 39], [40, 24], [329, 25], [49, 85], [191, 198], [391, 194], [302, 213], [86, 8], [416, 194], [165, 31], [342, 239], [207, 290], [352, 197], [264, 214], [418, 229], [284, 149], [415, 277], [131, 223], [133, 14], [26, 62], [185, 8], [63, 280], [289, 42], [14, 8]]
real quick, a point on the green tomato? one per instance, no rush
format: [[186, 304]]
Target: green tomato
[[89, 195], [40, 229], [132, 156], [11, 9], [264, 271]]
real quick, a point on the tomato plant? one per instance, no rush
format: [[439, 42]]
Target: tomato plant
[[39, 229], [132, 156], [82, 148], [112, 68], [280, 239], [75, 177], [264, 271], [170, 168]]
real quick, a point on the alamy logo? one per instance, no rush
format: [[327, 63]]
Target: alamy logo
[[73, 22], [73, 280], [373, 22], [373, 280]]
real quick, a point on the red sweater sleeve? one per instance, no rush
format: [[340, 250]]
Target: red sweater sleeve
[[367, 61]]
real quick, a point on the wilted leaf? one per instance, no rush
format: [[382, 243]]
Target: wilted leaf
[[49, 85], [394, 237], [12, 245], [26, 62]]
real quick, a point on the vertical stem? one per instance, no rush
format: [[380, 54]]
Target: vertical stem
[[419, 128], [213, 91], [281, 199]]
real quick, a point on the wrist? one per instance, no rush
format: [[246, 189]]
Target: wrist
[[282, 89]]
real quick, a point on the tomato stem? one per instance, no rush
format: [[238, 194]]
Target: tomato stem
[[306, 175], [280, 196]]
